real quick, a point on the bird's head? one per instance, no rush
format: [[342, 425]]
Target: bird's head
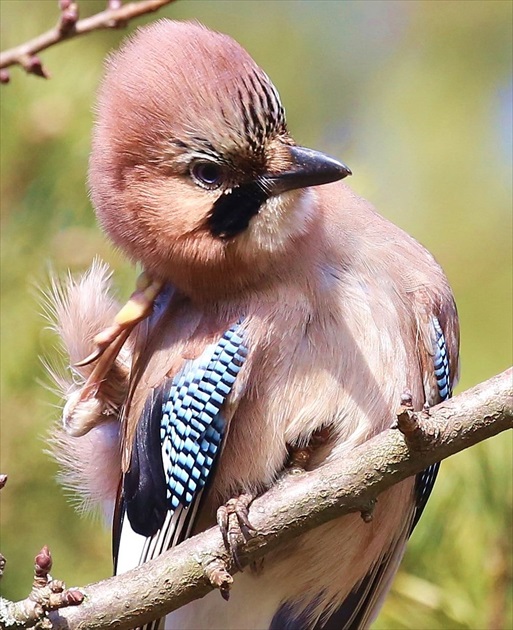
[[193, 172]]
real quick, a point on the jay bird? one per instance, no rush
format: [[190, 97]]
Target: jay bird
[[277, 311]]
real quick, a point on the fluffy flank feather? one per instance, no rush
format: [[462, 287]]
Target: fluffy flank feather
[[78, 308], [90, 466], [87, 446]]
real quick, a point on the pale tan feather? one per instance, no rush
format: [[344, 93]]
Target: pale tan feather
[[79, 308]]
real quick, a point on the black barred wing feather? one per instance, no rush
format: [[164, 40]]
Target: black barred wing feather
[[425, 480], [192, 425], [178, 439]]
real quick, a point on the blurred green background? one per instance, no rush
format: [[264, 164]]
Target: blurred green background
[[416, 97]]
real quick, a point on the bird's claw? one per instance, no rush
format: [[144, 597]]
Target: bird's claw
[[233, 520], [299, 458], [137, 308], [109, 341]]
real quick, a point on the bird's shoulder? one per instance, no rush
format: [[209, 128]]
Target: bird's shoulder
[[385, 278], [365, 245]]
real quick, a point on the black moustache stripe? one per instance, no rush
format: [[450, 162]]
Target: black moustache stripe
[[233, 211]]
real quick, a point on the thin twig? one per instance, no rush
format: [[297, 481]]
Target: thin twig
[[47, 594], [115, 16]]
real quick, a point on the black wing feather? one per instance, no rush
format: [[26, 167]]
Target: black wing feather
[[144, 484]]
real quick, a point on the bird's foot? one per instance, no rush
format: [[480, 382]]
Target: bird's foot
[[297, 461], [233, 520], [109, 341], [300, 457], [137, 308]]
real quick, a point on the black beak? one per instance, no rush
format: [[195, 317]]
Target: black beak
[[311, 168]]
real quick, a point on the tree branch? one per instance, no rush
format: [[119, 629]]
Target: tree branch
[[68, 26], [296, 504], [47, 594]]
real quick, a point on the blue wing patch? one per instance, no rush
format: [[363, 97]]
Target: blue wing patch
[[179, 434], [425, 480], [192, 425], [441, 362]]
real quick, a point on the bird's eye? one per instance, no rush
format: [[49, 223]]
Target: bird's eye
[[207, 174]]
